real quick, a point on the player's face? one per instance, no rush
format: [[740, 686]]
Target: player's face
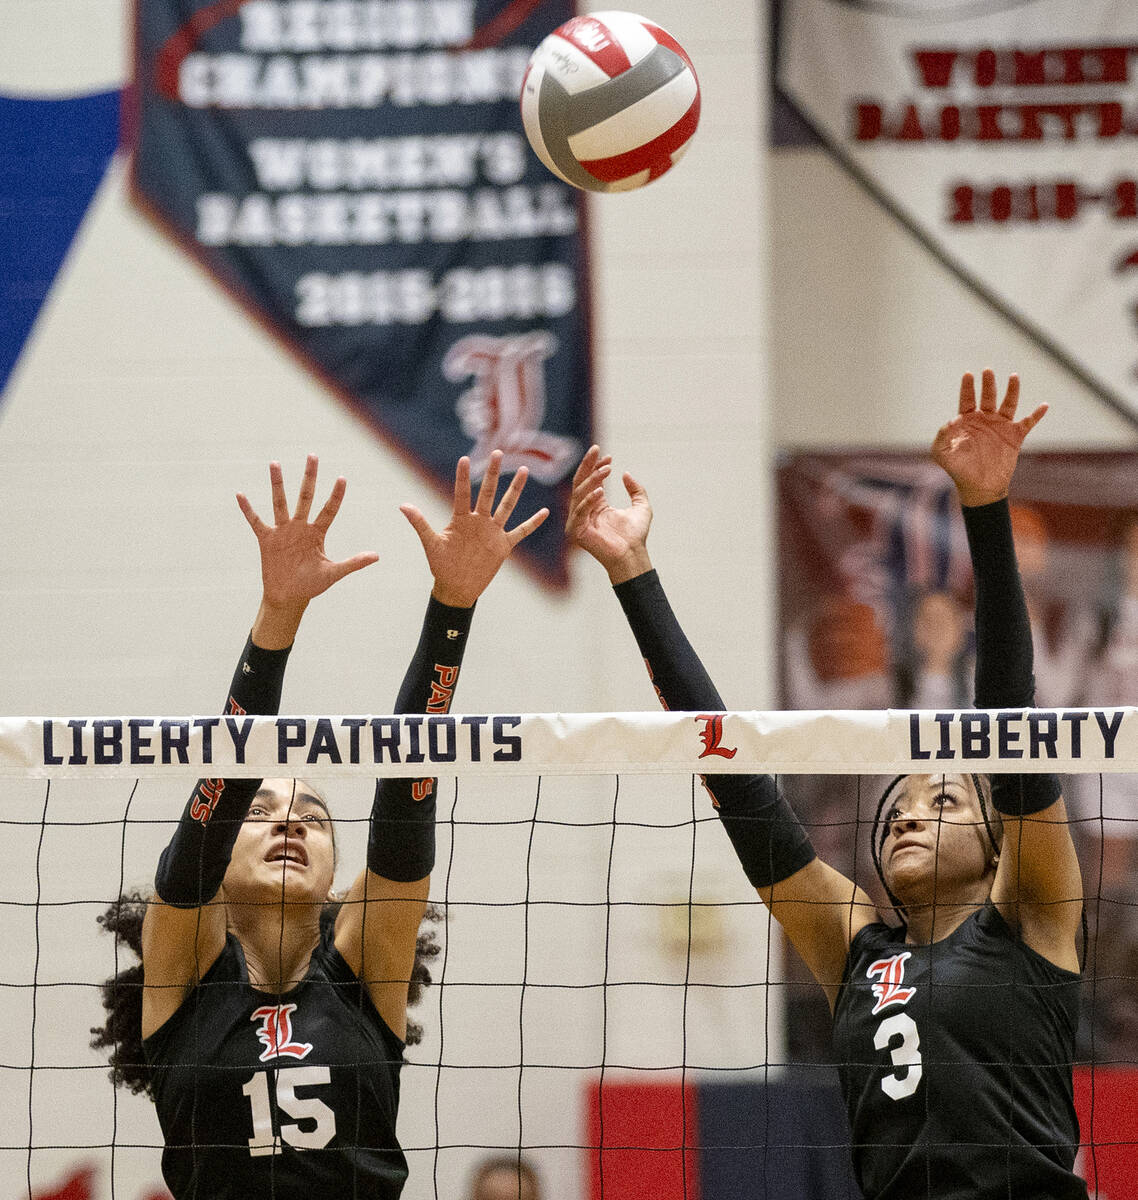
[[285, 848], [937, 846]]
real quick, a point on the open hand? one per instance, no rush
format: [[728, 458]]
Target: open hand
[[615, 537], [979, 448], [294, 567], [466, 555]]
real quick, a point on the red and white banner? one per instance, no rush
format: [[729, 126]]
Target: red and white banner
[[1003, 133]]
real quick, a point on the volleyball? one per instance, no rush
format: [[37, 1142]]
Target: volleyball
[[610, 101]]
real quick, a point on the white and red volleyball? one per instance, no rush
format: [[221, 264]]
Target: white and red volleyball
[[610, 101]]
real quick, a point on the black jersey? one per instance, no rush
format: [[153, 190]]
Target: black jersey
[[955, 1064], [278, 1097]]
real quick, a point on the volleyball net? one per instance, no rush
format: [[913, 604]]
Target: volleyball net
[[611, 1001]]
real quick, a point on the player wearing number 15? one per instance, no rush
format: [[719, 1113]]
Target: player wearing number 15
[[270, 1024], [954, 1031]]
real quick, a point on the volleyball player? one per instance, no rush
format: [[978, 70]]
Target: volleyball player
[[273, 1040], [954, 1032]]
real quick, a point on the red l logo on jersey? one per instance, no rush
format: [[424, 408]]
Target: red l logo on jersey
[[712, 735], [276, 1032], [891, 972]]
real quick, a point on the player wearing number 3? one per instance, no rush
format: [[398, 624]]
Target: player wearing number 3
[[955, 1032], [272, 1039]]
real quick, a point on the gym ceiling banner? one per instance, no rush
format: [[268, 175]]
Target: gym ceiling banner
[[355, 173], [1003, 133]]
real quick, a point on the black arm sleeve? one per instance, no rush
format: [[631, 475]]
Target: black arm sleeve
[[193, 865], [768, 839], [401, 834], [1004, 653]]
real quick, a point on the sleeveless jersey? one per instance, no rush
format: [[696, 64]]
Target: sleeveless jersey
[[955, 1065], [278, 1097]]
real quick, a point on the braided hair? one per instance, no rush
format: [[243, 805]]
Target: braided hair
[[122, 993], [983, 785], [880, 829]]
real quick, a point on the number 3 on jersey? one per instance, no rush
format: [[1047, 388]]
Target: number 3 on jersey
[[308, 1109], [906, 1055]]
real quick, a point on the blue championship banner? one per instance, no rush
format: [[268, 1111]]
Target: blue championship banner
[[356, 174]]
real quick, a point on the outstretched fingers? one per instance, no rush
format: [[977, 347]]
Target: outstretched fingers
[[356, 563], [527, 527], [327, 514], [509, 502], [589, 464], [584, 484], [280, 504], [967, 393], [486, 493], [307, 488], [584, 504], [988, 400], [1011, 398], [635, 490], [988, 390], [461, 489], [1028, 423], [419, 523], [258, 526], [588, 492], [510, 497], [592, 470]]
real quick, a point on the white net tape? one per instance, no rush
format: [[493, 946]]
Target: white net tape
[[572, 743], [597, 923]]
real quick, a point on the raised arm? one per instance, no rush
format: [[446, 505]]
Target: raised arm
[[1038, 886], [819, 908], [184, 930], [378, 925]]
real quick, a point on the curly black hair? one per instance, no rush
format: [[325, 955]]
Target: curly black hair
[[122, 993]]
